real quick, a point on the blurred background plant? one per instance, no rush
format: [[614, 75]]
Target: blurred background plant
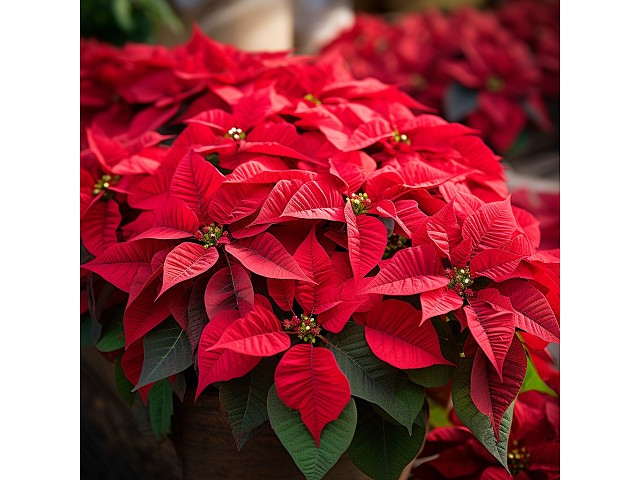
[[119, 21]]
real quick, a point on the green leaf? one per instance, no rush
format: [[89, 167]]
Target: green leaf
[[532, 381], [124, 386], [123, 14], [478, 423], [112, 338], [162, 10], [438, 415], [167, 351], [160, 404], [368, 376], [90, 330], [243, 401], [372, 379], [434, 376], [459, 102], [382, 449], [314, 462]]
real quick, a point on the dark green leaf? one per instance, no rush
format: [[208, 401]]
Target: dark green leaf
[[434, 376], [447, 338], [382, 449], [112, 338], [368, 376], [167, 351], [90, 330], [124, 386], [314, 462], [372, 379], [160, 402], [243, 401], [478, 423], [459, 102]]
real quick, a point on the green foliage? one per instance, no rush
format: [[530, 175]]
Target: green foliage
[[123, 384], [167, 351], [372, 379], [120, 21], [112, 337], [382, 449], [532, 381], [478, 423], [313, 461], [160, 405], [243, 401]]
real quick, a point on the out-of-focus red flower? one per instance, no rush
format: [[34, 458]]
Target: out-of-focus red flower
[[534, 447]]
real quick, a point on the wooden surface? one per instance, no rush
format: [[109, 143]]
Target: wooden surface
[[116, 441]]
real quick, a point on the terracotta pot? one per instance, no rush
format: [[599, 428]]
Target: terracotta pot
[[208, 451]]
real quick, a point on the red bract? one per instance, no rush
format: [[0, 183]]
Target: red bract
[[534, 447], [310, 227], [489, 69]]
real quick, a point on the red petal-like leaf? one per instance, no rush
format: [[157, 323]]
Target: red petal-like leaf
[[394, 333], [236, 201], [186, 261], [267, 170], [195, 181], [119, 264], [220, 365], [143, 313], [259, 333], [441, 229], [266, 256], [409, 271], [491, 394], [495, 473], [534, 313], [98, 226], [316, 264], [152, 191], [277, 201], [499, 264], [308, 379], [529, 225], [490, 227], [409, 216], [282, 292], [492, 329], [131, 362], [438, 302], [335, 318], [419, 174], [352, 168], [179, 305], [367, 237], [365, 135], [174, 221], [316, 200], [229, 288]]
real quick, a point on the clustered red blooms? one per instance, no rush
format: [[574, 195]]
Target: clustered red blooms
[[492, 69], [265, 201]]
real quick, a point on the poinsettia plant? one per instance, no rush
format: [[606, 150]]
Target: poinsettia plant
[[317, 249], [494, 69]]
